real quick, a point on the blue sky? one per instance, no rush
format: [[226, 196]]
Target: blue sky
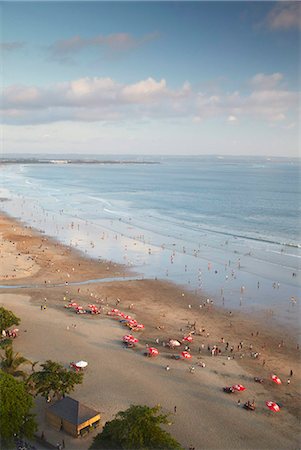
[[149, 78]]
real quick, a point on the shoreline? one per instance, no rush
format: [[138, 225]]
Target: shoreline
[[163, 308], [123, 243]]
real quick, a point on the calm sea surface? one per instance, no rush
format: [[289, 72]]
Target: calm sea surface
[[228, 227]]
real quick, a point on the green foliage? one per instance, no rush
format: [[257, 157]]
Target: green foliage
[[5, 342], [11, 362], [54, 380], [136, 428], [15, 405], [7, 319]]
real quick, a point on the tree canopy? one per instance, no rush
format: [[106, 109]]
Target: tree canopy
[[7, 319], [136, 428], [54, 380], [15, 406], [11, 362]]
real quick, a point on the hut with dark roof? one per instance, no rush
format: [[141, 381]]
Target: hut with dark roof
[[72, 416]]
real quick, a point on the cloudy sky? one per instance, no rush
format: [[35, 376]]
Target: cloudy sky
[[150, 78]]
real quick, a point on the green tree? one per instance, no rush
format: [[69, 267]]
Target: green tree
[[11, 362], [136, 428], [7, 319], [15, 406], [54, 380]]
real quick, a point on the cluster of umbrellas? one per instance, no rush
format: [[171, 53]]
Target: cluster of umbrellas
[[93, 309], [271, 405], [128, 338], [128, 320]]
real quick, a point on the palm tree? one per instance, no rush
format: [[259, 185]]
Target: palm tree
[[11, 362]]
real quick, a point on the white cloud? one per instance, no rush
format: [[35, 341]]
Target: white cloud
[[144, 90], [232, 118], [263, 81], [285, 16], [91, 99]]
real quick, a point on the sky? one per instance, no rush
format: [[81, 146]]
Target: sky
[[144, 77]]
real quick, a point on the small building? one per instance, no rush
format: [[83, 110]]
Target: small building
[[72, 416]]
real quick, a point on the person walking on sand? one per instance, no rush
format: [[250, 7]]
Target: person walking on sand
[[175, 409]]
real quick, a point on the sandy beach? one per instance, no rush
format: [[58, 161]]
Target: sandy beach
[[117, 377]]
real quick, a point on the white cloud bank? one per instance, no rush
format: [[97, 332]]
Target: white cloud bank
[[103, 99]]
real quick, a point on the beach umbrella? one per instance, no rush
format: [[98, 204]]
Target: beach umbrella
[[276, 379], [127, 338], [239, 387], [79, 308], [92, 306], [153, 351], [140, 326], [128, 317], [273, 406], [115, 310], [81, 364], [186, 355], [132, 322], [73, 304], [174, 343], [188, 338]]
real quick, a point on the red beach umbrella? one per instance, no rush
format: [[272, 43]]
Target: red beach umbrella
[[115, 310], [153, 351], [188, 338], [128, 317], [132, 322], [186, 355], [140, 326], [239, 387], [276, 379], [127, 338], [273, 406], [92, 306], [78, 308], [73, 304]]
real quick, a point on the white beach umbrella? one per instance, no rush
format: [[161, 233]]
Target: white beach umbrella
[[81, 364], [174, 343]]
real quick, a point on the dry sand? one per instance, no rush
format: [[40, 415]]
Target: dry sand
[[116, 377]]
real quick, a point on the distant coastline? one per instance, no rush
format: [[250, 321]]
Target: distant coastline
[[69, 161]]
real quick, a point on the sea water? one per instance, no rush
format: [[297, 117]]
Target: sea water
[[228, 227]]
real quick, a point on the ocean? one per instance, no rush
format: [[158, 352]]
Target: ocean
[[226, 227]]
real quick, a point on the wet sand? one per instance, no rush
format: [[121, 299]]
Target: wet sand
[[116, 377]]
